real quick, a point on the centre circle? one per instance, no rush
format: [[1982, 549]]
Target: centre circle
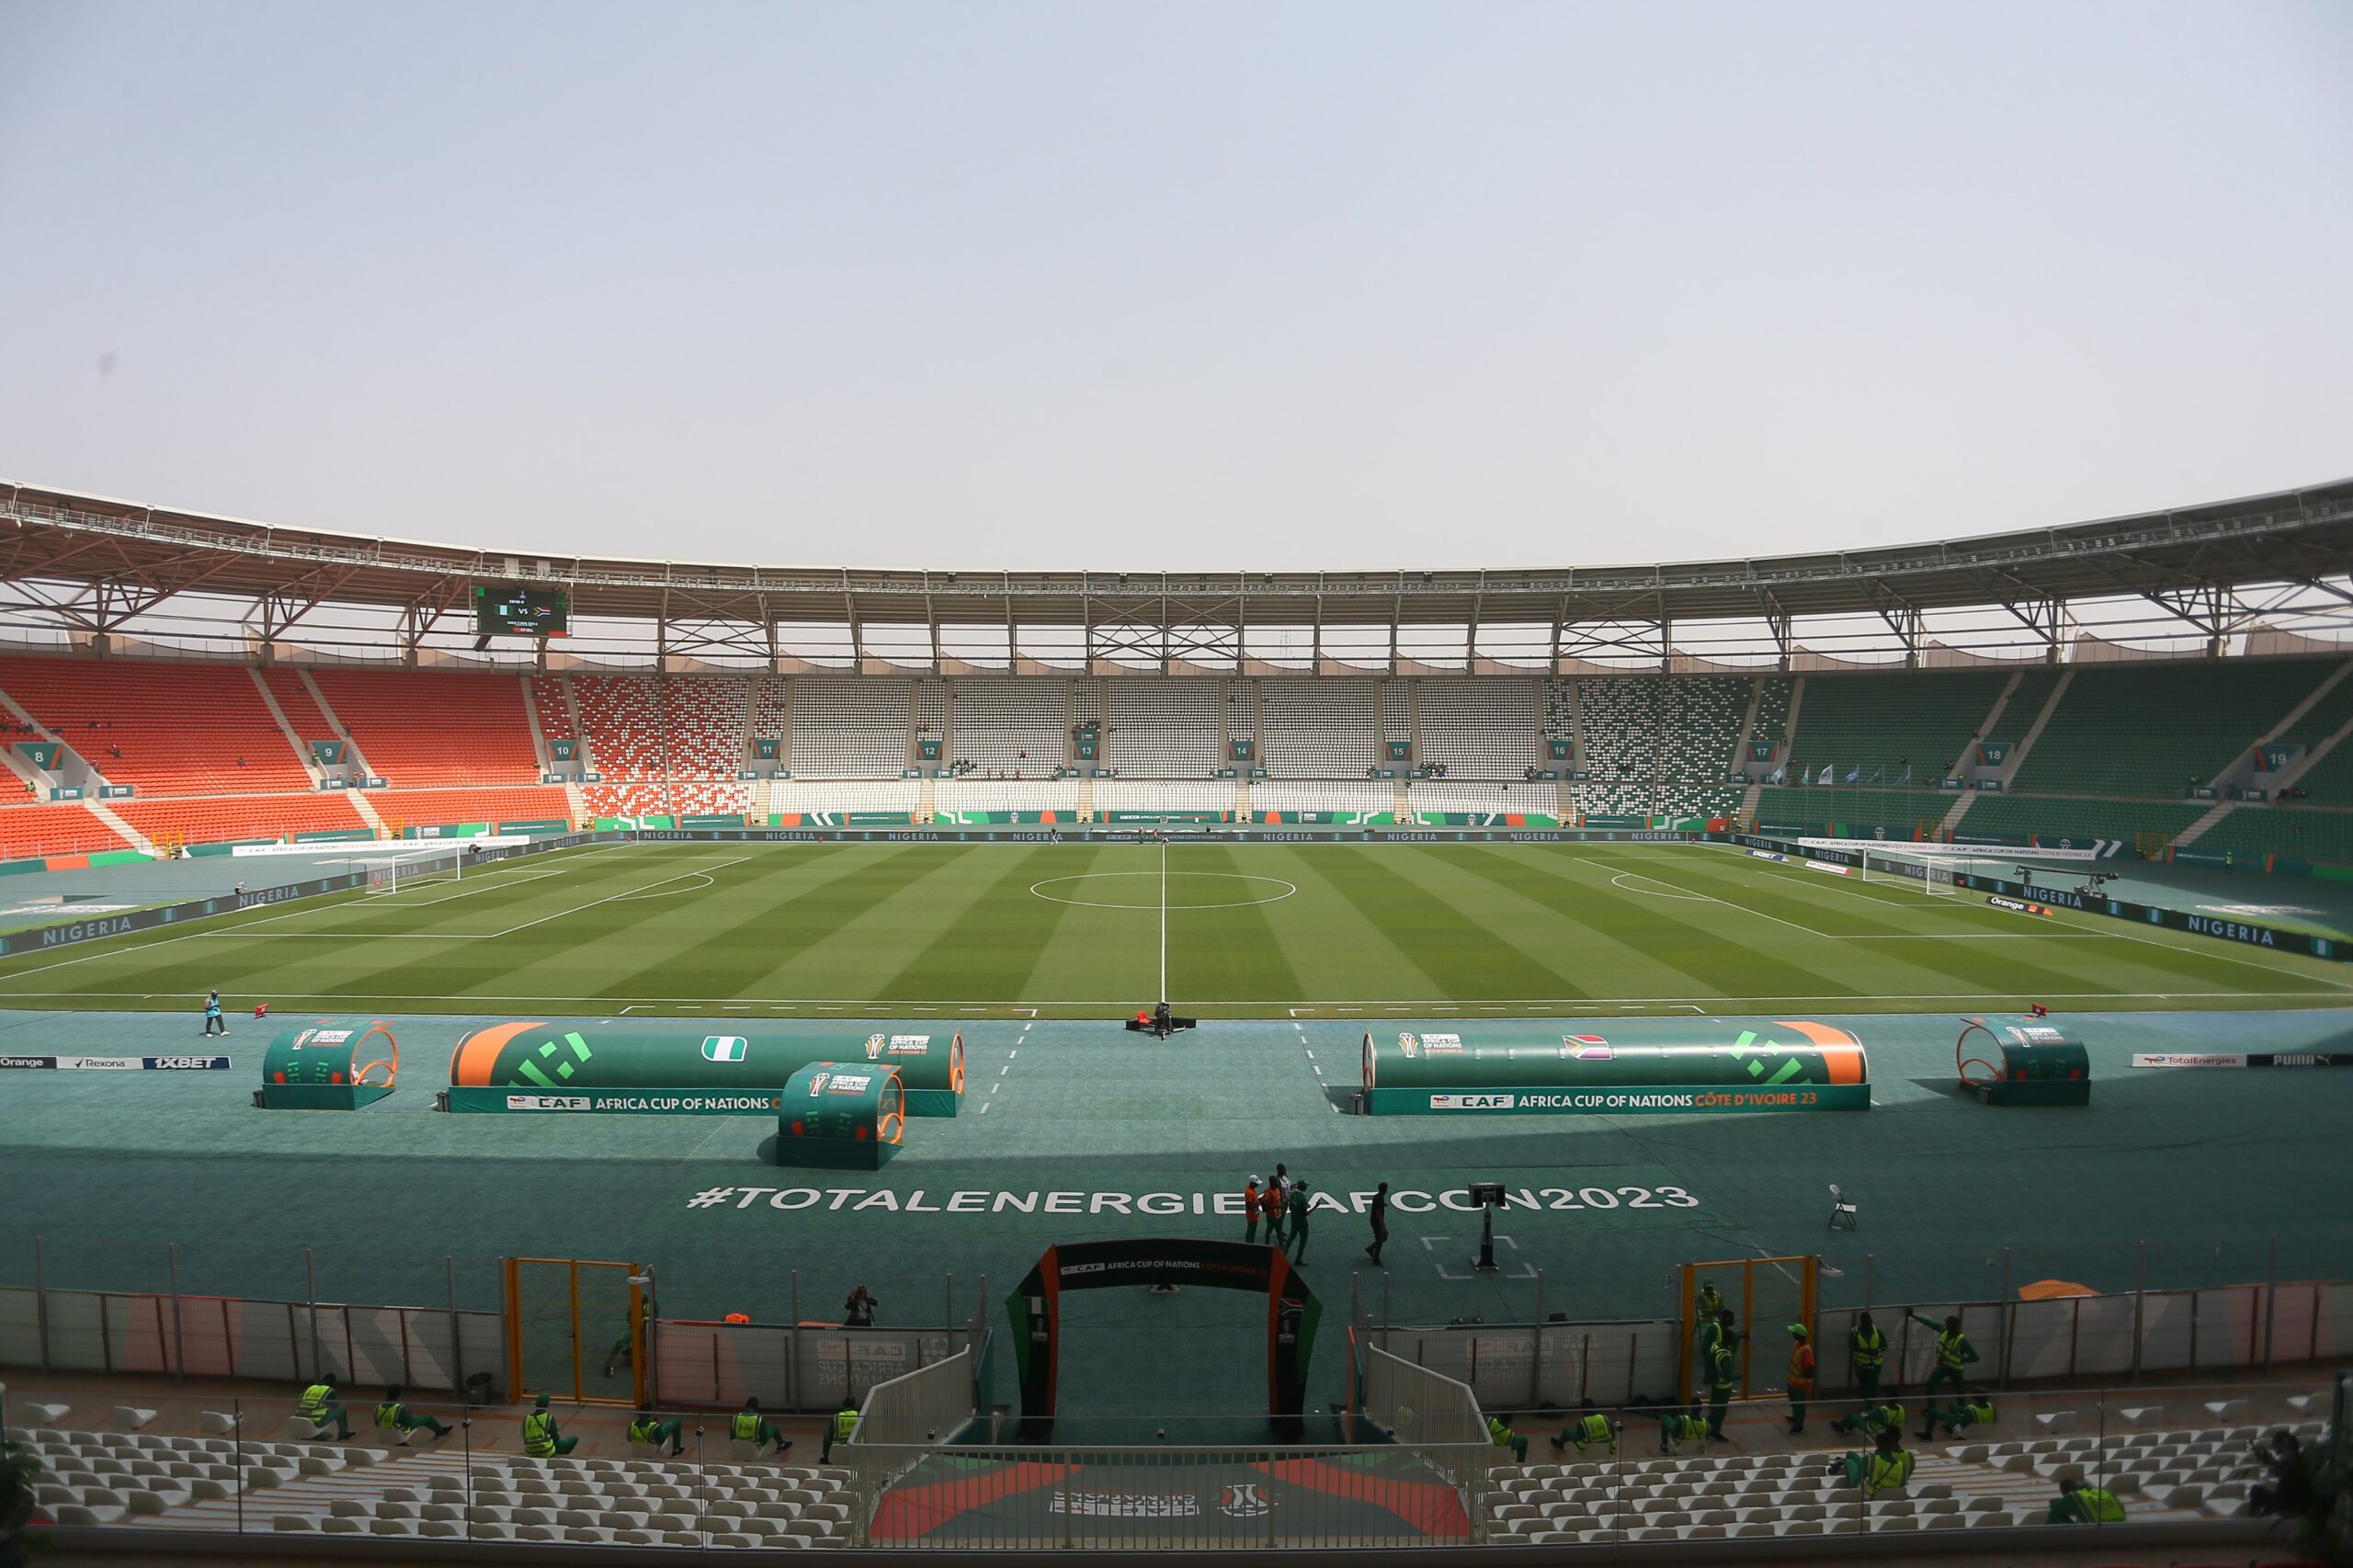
[[1267, 890]]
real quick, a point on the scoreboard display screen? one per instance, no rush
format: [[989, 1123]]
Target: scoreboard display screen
[[521, 612]]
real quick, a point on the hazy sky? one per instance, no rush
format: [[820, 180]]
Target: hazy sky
[[971, 285]]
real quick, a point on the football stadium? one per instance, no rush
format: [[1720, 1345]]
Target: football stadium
[[549, 1015]]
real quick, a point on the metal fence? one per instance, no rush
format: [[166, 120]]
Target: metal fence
[[102, 1331], [2141, 1333], [929, 1406]]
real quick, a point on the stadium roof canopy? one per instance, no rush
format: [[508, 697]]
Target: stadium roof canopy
[[77, 567]]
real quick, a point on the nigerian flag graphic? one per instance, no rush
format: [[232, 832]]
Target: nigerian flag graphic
[[724, 1048]]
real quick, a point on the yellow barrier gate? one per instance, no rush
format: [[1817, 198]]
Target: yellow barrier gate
[[575, 1330], [1766, 1295]]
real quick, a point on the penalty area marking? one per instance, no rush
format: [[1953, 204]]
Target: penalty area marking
[[1289, 889]]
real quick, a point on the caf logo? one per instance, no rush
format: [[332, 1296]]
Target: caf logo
[[1243, 1500], [874, 1043]]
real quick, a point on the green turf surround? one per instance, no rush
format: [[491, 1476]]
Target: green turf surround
[[108, 1166], [1074, 931]]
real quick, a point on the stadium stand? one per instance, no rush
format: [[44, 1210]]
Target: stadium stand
[[554, 712], [1004, 795], [1886, 724], [222, 819], [1861, 813], [30, 831], [2122, 730], [448, 808], [1124, 795], [1480, 729], [1623, 726], [2166, 1475], [434, 727], [293, 698], [1772, 712], [847, 795], [1161, 729], [164, 729], [1009, 726], [195, 1483], [1449, 795], [772, 713], [2129, 735], [849, 728], [1699, 727], [1334, 795], [1318, 729], [2049, 820], [2295, 833]]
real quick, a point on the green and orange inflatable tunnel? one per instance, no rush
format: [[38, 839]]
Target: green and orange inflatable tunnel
[[555, 1056]]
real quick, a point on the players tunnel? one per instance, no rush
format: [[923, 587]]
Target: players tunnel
[[840, 1116], [329, 1064], [686, 1056], [1622, 1066]]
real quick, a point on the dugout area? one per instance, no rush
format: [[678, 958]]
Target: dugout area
[[1073, 1132]]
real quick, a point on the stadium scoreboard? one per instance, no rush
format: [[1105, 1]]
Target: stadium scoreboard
[[501, 611]]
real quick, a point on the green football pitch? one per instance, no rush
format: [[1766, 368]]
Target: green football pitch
[[1053, 930]]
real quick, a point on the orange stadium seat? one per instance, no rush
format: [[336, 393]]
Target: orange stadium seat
[[220, 819], [302, 709], [445, 808], [27, 832], [164, 728], [436, 727]]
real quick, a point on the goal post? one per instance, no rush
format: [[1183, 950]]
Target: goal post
[[395, 873]]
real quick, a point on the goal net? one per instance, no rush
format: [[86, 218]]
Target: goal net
[[1937, 876], [394, 874]]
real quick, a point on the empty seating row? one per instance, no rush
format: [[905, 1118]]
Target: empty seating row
[[220, 819], [164, 729], [1481, 729], [30, 831], [434, 727]]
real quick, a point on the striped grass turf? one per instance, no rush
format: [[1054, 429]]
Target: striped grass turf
[[1242, 930]]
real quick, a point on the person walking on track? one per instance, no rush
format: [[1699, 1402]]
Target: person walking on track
[[1380, 1216]]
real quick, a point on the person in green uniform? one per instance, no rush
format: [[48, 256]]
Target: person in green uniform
[[1499, 1432], [1298, 1210], [643, 1428], [1867, 1351], [2080, 1505], [320, 1406], [1719, 1387], [1886, 1469], [749, 1425], [1678, 1428], [838, 1430], [1964, 1414], [1953, 1353], [392, 1416], [540, 1439], [1585, 1431], [1705, 1304], [1872, 1420]]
